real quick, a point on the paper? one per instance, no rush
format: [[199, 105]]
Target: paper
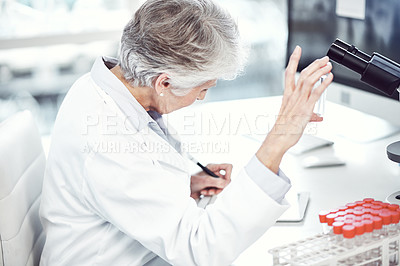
[[351, 8]]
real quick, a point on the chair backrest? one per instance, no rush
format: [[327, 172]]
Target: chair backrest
[[22, 165]]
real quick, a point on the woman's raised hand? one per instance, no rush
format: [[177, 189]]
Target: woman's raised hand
[[296, 111]]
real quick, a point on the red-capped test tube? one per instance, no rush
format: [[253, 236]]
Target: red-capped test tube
[[377, 233], [322, 219], [394, 226], [386, 221], [337, 232], [349, 232]]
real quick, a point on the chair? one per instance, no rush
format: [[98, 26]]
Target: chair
[[22, 165]]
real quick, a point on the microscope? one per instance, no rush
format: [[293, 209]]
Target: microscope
[[378, 72]]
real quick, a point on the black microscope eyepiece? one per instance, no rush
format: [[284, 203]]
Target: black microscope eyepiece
[[376, 70]]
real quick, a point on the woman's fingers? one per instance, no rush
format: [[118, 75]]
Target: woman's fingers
[[311, 74], [291, 70], [218, 168]]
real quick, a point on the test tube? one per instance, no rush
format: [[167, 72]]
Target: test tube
[[386, 221], [319, 107], [322, 218], [337, 231], [368, 227], [330, 219], [359, 239], [349, 232]]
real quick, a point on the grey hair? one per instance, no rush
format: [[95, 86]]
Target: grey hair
[[192, 41]]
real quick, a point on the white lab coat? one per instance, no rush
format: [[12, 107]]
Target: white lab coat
[[116, 193]]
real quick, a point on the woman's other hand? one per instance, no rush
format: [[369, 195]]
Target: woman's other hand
[[203, 184]]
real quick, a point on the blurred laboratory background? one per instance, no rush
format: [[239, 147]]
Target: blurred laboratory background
[[45, 45]]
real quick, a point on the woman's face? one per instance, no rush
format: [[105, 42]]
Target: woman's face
[[171, 102]]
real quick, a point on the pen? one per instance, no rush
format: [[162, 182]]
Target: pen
[[204, 168]]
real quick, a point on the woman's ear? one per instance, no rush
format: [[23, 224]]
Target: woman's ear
[[162, 84]]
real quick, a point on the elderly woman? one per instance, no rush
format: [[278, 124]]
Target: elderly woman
[[117, 191]]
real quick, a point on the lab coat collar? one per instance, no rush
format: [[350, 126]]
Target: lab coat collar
[[111, 85], [128, 104]]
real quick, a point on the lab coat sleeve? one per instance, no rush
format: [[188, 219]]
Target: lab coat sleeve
[[276, 186], [152, 205]]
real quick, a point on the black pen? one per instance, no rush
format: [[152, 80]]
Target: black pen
[[204, 168]]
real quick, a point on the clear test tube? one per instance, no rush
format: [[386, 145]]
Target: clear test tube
[[377, 233], [360, 229], [359, 240], [368, 227], [395, 218], [386, 221], [319, 107], [394, 246]]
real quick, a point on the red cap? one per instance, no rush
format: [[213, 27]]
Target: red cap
[[358, 219], [395, 217], [386, 217], [375, 212], [339, 219], [377, 222], [368, 226], [349, 211], [330, 218], [367, 205], [358, 213], [333, 211], [359, 228], [349, 222], [367, 210], [351, 205], [393, 207], [367, 217], [341, 213], [359, 208], [349, 217], [385, 204], [368, 200], [342, 208], [377, 202], [337, 227], [322, 216], [376, 207], [359, 202], [349, 231]]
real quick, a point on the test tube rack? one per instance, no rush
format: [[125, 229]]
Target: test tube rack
[[319, 250], [364, 233]]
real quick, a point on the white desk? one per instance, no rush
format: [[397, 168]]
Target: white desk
[[367, 173]]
